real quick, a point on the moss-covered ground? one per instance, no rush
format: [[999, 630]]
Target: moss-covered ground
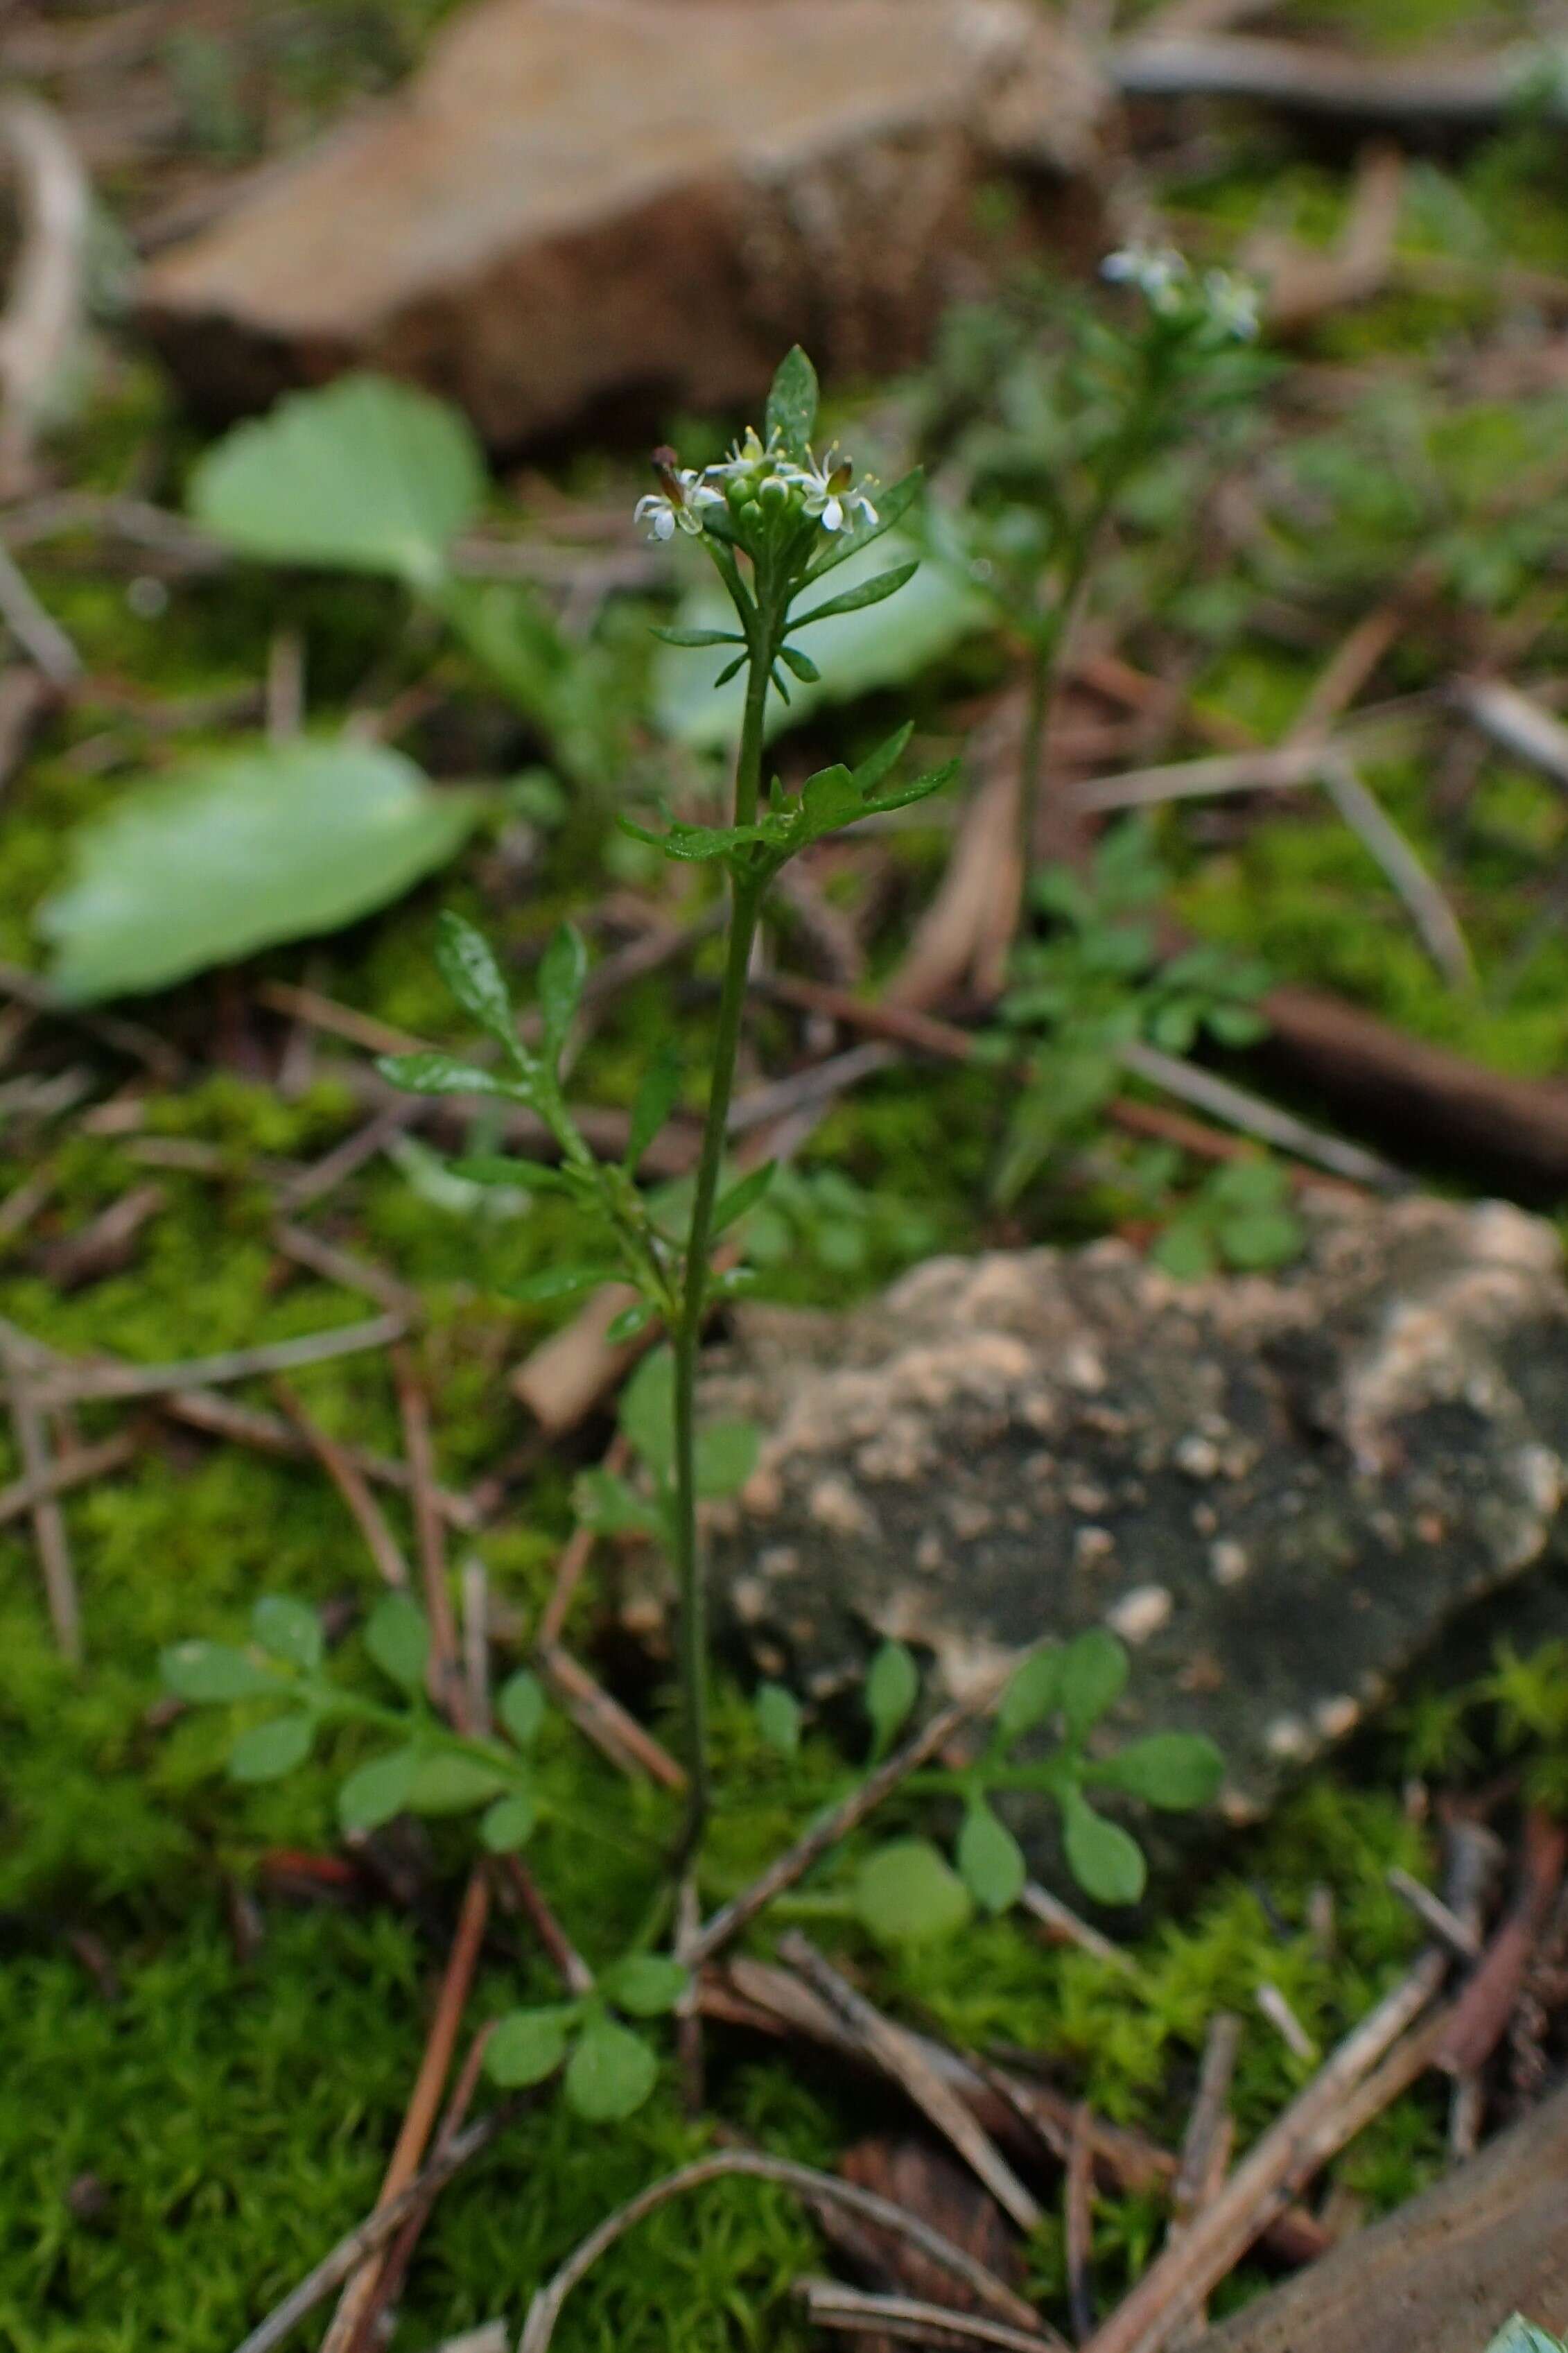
[[186, 2121]]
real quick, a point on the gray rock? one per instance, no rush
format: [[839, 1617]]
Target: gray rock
[[578, 202], [1279, 1489]]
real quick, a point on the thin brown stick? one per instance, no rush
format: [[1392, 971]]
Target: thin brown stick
[[814, 2187], [68, 1471], [562, 1954], [268, 1433], [1444, 1926], [44, 316], [30, 1430], [73, 1381], [1078, 2224], [902, 2059], [1205, 2148], [831, 2304], [1063, 1926], [353, 1486], [346, 1269], [1033, 2116], [574, 1558], [425, 2098], [602, 1720], [369, 2237], [1369, 2069], [400, 2254], [445, 1664], [1433, 918], [847, 1816]]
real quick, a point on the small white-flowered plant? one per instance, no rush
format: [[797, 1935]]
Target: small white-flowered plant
[[1219, 303], [1232, 304], [1159, 272]]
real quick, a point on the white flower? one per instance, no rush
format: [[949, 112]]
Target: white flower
[[678, 506], [1159, 272], [831, 493], [750, 460], [1232, 304]]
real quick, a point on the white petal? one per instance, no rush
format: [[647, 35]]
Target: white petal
[[833, 515]]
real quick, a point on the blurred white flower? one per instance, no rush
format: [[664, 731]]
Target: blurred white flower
[[678, 505], [1159, 272]]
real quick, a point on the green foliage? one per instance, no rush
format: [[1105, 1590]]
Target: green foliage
[[1077, 1685], [1239, 1216], [1098, 982], [277, 842], [1521, 2335]]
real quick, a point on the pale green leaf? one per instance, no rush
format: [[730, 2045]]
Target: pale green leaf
[[287, 1629], [645, 1985], [990, 1860], [1106, 1863], [243, 848], [892, 1687], [509, 1822], [367, 475]]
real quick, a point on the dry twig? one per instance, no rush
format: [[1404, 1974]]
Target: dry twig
[[44, 316]]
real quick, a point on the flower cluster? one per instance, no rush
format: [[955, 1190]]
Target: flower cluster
[[755, 472], [1215, 299]]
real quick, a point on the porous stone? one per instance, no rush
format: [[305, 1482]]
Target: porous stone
[[1277, 1488], [577, 203]]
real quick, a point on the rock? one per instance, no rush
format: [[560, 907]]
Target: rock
[[1278, 1488], [641, 202]]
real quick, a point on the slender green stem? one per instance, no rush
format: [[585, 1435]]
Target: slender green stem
[[745, 900]]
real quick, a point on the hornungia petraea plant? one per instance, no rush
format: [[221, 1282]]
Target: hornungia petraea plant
[[775, 521], [1068, 442]]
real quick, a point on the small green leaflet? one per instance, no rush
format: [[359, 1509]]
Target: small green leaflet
[[376, 1791], [286, 1630], [778, 1718], [206, 1673], [726, 1455], [397, 1637], [509, 1824], [447, 1782], [520, 1708], [743, 1195], [645, 1985], [647, 1412], [528, 2045], [906, 1894], [557, 1283], [1033, 1694], [1093, 1678], [1106, 1863], [656, 1099], [990, 1860], [267, 1751], [610, 2073], [1172, 1770], [892, 1687]]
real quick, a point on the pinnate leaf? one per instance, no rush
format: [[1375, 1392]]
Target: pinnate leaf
[[1172, 1770]]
